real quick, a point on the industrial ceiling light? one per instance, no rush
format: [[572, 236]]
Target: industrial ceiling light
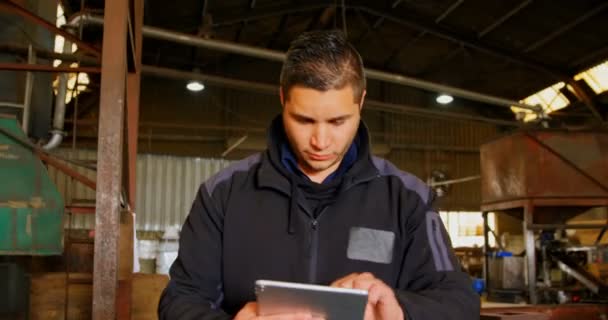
[[195, 86], [444, 99]]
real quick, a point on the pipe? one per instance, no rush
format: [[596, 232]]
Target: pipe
[[59, 115], [454, 181], [11, 104], [272, 89], [29, 85], [274, 55], [234, 145]]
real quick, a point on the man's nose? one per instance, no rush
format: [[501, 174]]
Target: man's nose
[[320, 139]]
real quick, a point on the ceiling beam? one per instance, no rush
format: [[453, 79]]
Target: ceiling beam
[[12, 7], [410, 20], [503, 19], [437, 65], [590, 59], [314, 21], [369, 29], [260, 13], [541, 42], [449, 10], [280, 30], [419, 36], [406, 19], [379, 21]]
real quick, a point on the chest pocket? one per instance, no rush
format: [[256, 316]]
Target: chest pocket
[[370, 245]]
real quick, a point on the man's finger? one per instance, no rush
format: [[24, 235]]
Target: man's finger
[[294, 316], [369, 312], [345, 282]]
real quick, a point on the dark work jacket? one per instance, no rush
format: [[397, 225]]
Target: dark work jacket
[[253, 220]]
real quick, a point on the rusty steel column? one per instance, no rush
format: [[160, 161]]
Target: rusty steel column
[[125, 274], [109, 159], [529, 243]]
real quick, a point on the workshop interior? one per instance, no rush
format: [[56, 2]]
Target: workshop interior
[[113, 113]]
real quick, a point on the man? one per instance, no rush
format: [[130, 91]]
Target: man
[[316, 207]]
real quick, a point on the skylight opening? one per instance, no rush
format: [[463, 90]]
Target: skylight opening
[[77, 82], [550, 99], [596, 77]]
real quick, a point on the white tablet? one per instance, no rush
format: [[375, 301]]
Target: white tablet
[[276, 297]]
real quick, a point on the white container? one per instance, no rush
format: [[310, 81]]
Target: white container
[[167, 250], [147, 251]]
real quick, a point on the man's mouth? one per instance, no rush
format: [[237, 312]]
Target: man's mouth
[[320, 157]]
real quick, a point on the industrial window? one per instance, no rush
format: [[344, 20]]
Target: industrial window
[[466, 227], [77, 82], [596, 77], [550, 99]]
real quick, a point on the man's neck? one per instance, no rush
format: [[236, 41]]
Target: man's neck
[[320, 176]]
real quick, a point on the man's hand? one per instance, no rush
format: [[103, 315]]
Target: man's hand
[[381, 301], [250, 312]]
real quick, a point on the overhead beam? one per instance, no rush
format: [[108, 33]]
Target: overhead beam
[[368, 30], [541, 42], [12, 7], [556, 73], [46, 68], [413, 40], [406, 19], [280, 30], [279, 56], [43, 54], [379, 21], [449, 10], [503, 19], [260, 13], [595, 56], [411, 21]]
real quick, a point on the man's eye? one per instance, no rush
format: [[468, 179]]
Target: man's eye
[[337, 122], [304, 121]]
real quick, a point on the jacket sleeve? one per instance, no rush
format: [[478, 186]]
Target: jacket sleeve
[[195, 289], [432, 285]]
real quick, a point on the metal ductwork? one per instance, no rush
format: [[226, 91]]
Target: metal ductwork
[[59, 115]]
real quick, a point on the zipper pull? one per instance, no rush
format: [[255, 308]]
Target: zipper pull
[[314, 224]]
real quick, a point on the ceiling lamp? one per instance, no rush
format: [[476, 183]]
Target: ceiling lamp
[[444, 99], [195, 86]]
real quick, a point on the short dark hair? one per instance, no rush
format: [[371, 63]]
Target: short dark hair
[[323, 60]]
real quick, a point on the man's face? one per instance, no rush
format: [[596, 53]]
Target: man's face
[[320, 127]]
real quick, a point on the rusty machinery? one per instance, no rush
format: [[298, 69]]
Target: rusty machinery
[[545, 178]]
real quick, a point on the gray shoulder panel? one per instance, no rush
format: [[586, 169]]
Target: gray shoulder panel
[[228, 172], [411, 182]]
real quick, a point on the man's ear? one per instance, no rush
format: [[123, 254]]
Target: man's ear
[[362, 99], [281, 96]]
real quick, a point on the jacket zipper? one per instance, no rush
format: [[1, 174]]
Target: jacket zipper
[[314, 251], [314, 248]]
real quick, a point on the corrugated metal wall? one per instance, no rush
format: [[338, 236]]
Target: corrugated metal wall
[[452, 148], [166, 187]]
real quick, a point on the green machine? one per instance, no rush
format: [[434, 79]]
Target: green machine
[[31, 207]]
